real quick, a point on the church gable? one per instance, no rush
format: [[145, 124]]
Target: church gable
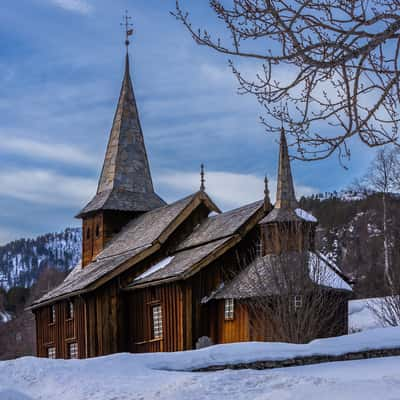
[[141, 237], [212, 238]]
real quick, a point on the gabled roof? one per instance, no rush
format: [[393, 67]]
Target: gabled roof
[[222, 225], [209, 240], [182, 262], [262, 276], [137, 240], [125, 183]]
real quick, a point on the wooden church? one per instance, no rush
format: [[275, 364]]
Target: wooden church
[[157, 276]]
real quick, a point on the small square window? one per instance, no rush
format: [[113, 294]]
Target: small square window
[[51, 352], [259, 248], [52, 314], [70, 310], [298, 302], [73, 350], [229, 309], [157, 321]]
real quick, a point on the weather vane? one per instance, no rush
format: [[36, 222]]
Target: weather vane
[[128, 28]]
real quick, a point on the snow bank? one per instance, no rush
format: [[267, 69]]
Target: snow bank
[[235, 353], [155, 376], [361, 316]]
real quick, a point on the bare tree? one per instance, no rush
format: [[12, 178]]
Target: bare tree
[[329, 69], [293, 295], [301, 307], [383, 177]]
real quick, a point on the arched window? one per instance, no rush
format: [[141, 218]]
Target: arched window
[[97, 230]]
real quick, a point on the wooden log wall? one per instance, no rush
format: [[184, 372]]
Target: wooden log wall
[[204, 318], [139, 312], [237, 329], [103, 322], [63, 331]]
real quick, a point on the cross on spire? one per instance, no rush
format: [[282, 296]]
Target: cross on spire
[[128, 28]]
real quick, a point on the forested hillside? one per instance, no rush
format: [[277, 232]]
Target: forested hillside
[[22, 261], [350, 231]]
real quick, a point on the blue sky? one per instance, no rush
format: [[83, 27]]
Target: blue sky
[[61, 66]]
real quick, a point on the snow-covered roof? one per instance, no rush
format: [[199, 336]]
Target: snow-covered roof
[[262, 277], [305, 215], [160, 265], [324, 272]]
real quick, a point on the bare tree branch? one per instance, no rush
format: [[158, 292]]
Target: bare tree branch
[[332, 64]]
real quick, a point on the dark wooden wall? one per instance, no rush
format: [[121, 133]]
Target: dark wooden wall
[[283, 237], [235, 330], [99, 228], [63, 331], [140, 331], [105, 326]]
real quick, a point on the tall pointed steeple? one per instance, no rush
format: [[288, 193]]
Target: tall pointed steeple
[[125, 182], [286, 227], [286, 203], [285, 195]]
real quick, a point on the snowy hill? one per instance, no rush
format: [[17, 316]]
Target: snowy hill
[[167, 375], [22, 260]]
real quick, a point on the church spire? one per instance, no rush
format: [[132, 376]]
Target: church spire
[[285, 195], [125, 182]]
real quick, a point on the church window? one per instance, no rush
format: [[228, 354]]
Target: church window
[[51, 352], [97, 231], [229, 309], [52, 314], [259, 247], [157, 321], [73, 350], [70, 310], [297, 302]]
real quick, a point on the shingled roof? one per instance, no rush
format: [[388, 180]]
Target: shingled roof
[[138, 239], [261, 277], [125, 183], [210, 239]]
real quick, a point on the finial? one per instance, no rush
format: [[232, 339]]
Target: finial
[[128, 28], [202, 179], [267, 200]]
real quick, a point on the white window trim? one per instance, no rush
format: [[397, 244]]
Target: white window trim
[[297, 302], [157, 321], [229, 309], [51, 352], [73, 350]]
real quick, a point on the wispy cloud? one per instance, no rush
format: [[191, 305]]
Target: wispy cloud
[[80, 6], [63, 153], [46, 187], [226, 188]]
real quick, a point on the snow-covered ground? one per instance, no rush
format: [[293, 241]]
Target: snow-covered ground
[[156, 376], [361, 316]]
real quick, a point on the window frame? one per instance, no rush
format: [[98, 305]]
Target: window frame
[[52, 314], [73, 350], [52, 352], [70, 310], [157, 325], [297, 302], [229, 309]]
